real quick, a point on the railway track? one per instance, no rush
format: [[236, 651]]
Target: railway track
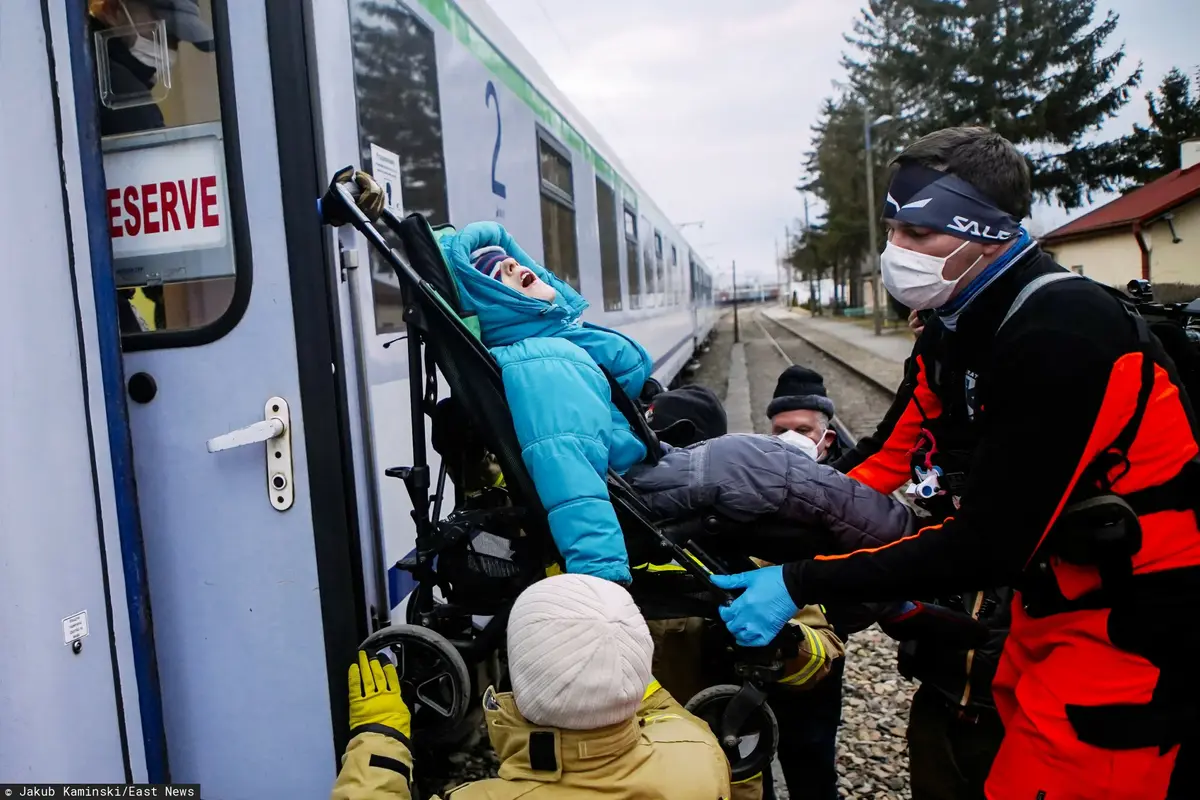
[[844, 433], [857, 396], [861, 400], [863, 376]]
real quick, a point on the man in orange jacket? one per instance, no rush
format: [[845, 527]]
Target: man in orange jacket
[[1040, 405]]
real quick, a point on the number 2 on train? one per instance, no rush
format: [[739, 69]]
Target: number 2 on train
[[490, 95]]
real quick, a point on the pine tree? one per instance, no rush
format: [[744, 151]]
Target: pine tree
[[1036, 71], [837, 160], [879, 34], [1149, 153], [840, 243]]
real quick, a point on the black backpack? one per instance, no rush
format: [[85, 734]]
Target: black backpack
[[1181, 345], [1185, 353]]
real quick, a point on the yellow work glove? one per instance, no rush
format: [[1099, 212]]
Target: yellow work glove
[[370, 197], [375, 696]]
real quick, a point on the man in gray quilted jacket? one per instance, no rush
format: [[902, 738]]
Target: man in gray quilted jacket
[[755, 478], [772, 485]]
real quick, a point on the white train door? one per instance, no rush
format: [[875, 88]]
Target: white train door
[[234, 386]]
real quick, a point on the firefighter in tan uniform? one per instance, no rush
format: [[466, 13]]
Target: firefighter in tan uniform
[[585, 717], [683, 417]]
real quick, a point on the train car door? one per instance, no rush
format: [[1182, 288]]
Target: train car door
[[234, 398]]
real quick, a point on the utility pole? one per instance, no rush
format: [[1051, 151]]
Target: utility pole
[[779, 266], [782, 268], [736, 334], [876, 275], [873, 236], [814, 286]]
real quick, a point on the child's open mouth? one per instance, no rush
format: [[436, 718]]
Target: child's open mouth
[[527, 279]]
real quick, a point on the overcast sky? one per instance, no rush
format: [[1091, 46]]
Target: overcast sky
[[710, 103]]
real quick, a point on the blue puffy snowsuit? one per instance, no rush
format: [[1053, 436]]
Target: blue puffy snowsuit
[[569, 431]]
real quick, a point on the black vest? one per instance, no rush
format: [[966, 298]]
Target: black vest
[[957, 365]]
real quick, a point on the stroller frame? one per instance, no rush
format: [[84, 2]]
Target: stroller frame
[[440, 336]]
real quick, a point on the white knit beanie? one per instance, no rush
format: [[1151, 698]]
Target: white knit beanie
[[579, 653]]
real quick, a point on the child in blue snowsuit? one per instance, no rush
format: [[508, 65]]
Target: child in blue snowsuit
[[569, 431]]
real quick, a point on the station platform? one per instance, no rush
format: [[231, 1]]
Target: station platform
[[879, 359]]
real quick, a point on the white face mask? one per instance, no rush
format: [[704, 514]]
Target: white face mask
[[915, 279], [144, 49], [800, 441]]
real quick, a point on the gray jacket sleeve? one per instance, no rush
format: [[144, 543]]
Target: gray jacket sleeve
[[748, 477]]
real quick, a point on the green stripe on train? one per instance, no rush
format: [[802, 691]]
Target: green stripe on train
[[455, 21]]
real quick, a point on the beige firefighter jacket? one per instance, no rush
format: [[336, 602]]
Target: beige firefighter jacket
[[664, 752]]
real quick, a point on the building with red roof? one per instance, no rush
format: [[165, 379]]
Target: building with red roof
[[1152, 232]]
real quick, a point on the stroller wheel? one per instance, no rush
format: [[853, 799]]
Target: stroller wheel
[[749, 746], [433, 679]]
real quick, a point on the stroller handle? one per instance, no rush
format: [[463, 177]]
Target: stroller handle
[[337, 208]]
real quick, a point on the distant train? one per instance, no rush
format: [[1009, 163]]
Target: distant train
[[747, 294], [201, 390]]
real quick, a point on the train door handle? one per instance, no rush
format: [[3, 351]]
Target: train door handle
[[251, 434], [276, 430]]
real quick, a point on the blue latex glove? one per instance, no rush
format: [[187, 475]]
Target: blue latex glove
[[756, 617]]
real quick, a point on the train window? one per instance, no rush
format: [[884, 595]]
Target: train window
[[610, 259], [399, 110], [561, 255], [170, 197], [632, 267]]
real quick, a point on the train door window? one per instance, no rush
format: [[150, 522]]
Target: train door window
[[558, 210], [632, 267], [648, 261], [660, 278], [610, 260], [676, 277], [399, 110], [174, 206], [659, 284]]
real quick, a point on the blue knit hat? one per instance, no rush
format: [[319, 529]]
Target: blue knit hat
[[488, 259]]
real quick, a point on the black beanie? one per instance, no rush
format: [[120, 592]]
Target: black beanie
[[800, 388], [687, 415]]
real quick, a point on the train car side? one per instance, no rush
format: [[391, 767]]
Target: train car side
[[238, 392], [479, 132]]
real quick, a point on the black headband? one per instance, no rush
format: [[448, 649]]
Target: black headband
[[928, 198]]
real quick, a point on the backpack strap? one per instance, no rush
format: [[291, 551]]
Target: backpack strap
[[637, 422], [1028, 290], [1117, 452]]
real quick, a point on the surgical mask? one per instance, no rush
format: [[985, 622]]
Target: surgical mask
[[915, 279], [144, 49], [800, 441]]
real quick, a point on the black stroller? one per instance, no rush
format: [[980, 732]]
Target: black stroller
[[470, 567]]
